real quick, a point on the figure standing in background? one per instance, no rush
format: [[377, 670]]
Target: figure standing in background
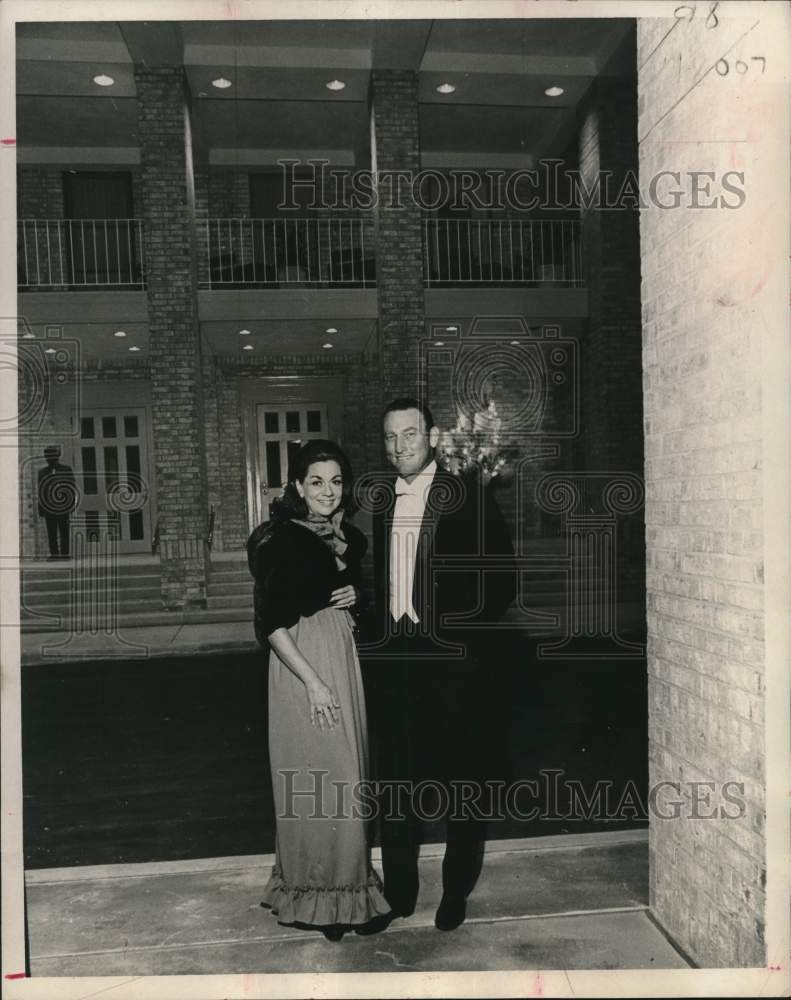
[[57, 499]]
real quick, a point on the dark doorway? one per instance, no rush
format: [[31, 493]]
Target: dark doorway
[[102, 238]]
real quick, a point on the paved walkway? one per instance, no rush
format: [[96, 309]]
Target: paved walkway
[[145, 641], [573, 902]]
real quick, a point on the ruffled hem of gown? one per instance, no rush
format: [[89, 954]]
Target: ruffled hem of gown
[[320, 906]]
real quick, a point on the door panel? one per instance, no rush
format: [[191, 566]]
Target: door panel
[[282, 430], [113, 474]]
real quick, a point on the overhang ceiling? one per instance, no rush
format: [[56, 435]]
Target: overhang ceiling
[[278, 102], [221, 337]]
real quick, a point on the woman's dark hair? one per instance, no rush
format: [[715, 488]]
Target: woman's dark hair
[[291, 504]]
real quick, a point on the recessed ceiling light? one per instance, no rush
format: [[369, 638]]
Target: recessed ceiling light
[[103, 80], [244, 333], [439, 343], [451, 329], [328, 346], [29, 335], [248, 347], [445, 88], [553, 91], [335, 85], [134, 348], [514, 343], [50, 350], [119, 333], [202, 93], [330, 329], [221, 83]]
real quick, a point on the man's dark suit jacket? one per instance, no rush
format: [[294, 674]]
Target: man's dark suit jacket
[[57, 491], [461, 520]]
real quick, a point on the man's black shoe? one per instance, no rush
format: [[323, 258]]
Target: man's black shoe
[[383, 921], [451, 913], [377, 924]]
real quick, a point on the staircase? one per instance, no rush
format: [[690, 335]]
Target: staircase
[[84, 596], [229, 591], [70, 596]]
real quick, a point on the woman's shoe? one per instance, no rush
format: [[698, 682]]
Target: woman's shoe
[[334, 932]]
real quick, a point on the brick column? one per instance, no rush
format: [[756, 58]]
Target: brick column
[[399, 250], [611, 373], [168, 211], [202, 215], [612, 404], [715, 358]]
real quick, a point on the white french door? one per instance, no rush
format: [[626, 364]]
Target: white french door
[[282, 430], [113, 476]]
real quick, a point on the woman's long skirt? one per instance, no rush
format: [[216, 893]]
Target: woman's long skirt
[[322, 873]]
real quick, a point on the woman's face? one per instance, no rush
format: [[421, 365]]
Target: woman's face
[[322, 487]]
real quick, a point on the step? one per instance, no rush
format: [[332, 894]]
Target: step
[[232, 587], [64, 568], [150, 618], [124, 590], [64, 610], [123, 593], [226, 575], [95, 583], [230, 600]]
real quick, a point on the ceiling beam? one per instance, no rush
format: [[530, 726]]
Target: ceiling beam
[[399, 44], [153, 43], [263, 56], [501, 64]]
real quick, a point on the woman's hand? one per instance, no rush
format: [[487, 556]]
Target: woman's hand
[[325, 709], [344, 597]]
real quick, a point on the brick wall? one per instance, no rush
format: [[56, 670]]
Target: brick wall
[[40, 192], [174, 342], [611, 346], [702, 331], [398, 234]]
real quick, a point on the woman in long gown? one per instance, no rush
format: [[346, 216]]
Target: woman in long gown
[[306, 564]]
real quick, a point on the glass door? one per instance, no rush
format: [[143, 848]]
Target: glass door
[[282, 430], [113, 478]]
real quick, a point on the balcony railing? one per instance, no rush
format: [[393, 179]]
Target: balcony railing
[[80, 253], [275, 253], [468, 252], [319, 252]]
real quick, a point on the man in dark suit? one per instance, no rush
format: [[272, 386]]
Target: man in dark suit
[[57, 498], [426, 673]]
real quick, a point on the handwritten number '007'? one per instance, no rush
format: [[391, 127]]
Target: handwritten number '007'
[[723, 67]]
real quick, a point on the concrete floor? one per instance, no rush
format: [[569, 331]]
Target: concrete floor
[[572, 902]]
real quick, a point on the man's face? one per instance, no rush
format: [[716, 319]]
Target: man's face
[[408, 442]]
